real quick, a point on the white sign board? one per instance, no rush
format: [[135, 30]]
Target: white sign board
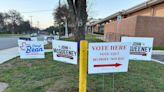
[[108, 57], [65, 51], [34, 39], [141, 48], [31, 49], [45, 40], [56, 37]]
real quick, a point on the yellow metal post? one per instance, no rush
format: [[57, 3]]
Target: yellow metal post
[[83, 66]]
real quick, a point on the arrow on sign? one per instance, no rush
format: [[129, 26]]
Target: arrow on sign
[[108, 65]]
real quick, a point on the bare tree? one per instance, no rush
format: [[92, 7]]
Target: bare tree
[[15, 19], [60, 13], [78, 11], [1, 21]]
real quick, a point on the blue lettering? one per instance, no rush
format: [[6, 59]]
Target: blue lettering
[[33, 49], [28, 49]]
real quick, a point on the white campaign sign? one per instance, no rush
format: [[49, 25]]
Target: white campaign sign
[[65, 51], [141, 47], [108, 57], [45, 40], [31, 49], [56, 37], [34, 39]]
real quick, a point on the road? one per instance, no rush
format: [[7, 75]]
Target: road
[[8, 42], [158, 57]]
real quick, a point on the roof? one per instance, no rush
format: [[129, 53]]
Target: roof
[[131, 10]]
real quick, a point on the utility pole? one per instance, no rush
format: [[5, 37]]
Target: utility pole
[[31, 23], [31, 20], [59, 25], [59, 3], [38, 26]]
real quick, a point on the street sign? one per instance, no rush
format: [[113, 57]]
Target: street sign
[[141, 47], [65, 51], [119, 18], [31, 49], [108, 57]]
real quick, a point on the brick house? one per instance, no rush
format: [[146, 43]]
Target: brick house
[[143, 20]]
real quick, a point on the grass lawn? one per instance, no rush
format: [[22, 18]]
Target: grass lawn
[[4, 35], [89, 38], [158, 48], [48, 46], [47, 75]]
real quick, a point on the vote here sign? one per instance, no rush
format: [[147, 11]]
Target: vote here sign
[[108, 57]]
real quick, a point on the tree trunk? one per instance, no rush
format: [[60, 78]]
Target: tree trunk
[[79, 16]]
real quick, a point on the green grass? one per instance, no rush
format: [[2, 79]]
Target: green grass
[[47, 75], [53, 76], [48, 46], [89, 38], [4, 35], [158, 48]]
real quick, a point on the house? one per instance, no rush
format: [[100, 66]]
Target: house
[[143, 20]]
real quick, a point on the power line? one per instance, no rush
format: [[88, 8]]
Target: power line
[[39, 11]]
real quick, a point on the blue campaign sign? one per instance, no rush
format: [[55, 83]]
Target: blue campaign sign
[[31, 49]]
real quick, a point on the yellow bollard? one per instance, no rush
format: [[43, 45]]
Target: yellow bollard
[[83, 65]]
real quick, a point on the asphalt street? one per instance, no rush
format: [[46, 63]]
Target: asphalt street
[[8, 42], [158, 57]]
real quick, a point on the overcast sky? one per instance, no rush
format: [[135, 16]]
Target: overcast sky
[[41, 10]]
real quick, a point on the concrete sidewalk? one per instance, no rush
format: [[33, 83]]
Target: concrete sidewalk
[[158, 52], [11, 53], [8, 54], [3, 86]]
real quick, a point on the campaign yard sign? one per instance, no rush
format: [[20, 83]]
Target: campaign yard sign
[[108, 57], [45, 40], [141, 47], [31, 49], [65, 51], [34, 39]]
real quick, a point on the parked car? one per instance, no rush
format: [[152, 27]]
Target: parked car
[[33, 35]]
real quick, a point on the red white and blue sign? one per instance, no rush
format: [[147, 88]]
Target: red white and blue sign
[[31, 49], [65, 51], [140, 48], [108, 57]]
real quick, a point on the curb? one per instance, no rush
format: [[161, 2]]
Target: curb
[[157, 61], [6, 54]]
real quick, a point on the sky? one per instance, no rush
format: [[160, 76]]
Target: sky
[[41, 10]]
